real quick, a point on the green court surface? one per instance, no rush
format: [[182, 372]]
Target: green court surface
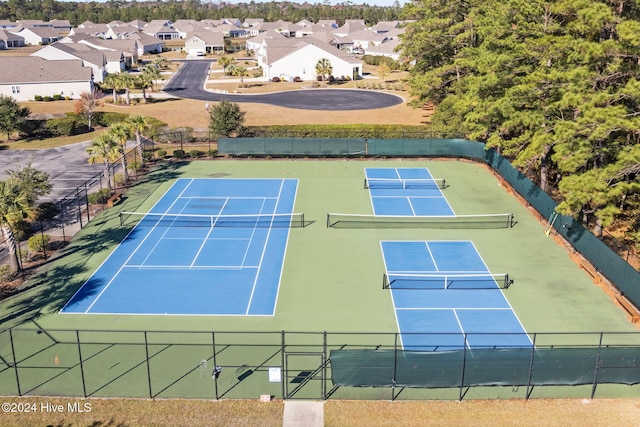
[[332, 281]]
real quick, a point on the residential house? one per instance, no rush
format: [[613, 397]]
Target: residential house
[[137, 23], [298, 57], [128, 48], [387, 48], [147, 44], [120, 32], [161, 30], [287, 29], [254, 43], [7, 25], [24, 77], [204, 42], [91, 57], [63, 26], [95, 30], [9, 40], [363, 39], [37, 36]]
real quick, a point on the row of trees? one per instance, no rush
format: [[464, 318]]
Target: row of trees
[[78, 12], [555, 85], [144, 79]]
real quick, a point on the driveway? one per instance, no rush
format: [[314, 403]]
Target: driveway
[[190, 79]]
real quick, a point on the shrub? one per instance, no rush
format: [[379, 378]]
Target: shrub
[[119, 179], [212, 153], [47, 211], [108, 118], [297, 79], [147, 156], [62, 126], [135, 166], [39, 243], [179, 154], [22, 230], [58, 97], [46, 98], [194, 154], [37, 97], [161, 153], [99, 197], [276, 79], [5, 273]]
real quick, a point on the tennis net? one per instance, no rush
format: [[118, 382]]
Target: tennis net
[[337, 220], [290, 220], [394, 183], [446, 281]]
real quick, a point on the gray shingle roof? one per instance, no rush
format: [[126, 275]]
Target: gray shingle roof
[[32, 69]]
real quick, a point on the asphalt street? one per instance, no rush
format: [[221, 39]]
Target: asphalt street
[[190, 80]]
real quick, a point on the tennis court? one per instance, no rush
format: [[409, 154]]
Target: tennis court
[[406, 192], [207, 247], [442, 291]]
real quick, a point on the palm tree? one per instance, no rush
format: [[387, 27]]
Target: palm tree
[[15, 205], [139, 125], [104, 148], [239, 71], [111, 81], [147, 78], [225, 61], [126, 82], [120, 133], [324, 68]]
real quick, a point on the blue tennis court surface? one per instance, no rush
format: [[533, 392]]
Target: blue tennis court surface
[[438, 317], [395, 194], [176, 268]]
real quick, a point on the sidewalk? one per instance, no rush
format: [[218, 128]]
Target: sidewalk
[[303, 414]]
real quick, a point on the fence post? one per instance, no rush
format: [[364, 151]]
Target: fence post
[[79, 208], [84, 386], [533, 350], [15, 363], [215, 362], [464, 364], [284, 373], [324, 365], [395, 366], [595, 372], [86, 198], [146, 351]]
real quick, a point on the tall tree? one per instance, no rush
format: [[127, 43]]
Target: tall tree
[[139, 125], [12, 115], [88, 105], [104, 148], [120, 133], [226, 119]]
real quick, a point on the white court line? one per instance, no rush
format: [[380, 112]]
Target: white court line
[[253, 233], [452, 308], [264, 250], [466, 342], [204, 241], [182, 267], [125, 263]]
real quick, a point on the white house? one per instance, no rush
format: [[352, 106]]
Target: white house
[[387, 48], [298, 57], [93, 58], [204, 42], [9, 40], [24, 77], [38, 36]]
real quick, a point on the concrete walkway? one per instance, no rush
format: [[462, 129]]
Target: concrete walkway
[[303, 414]]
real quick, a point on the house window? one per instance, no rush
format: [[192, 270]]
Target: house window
[[15, 89]]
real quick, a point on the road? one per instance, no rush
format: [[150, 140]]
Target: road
[[190, 79]]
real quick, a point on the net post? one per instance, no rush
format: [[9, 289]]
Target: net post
[[366, 184], [444, 183], [121, 219], [385, 281], [511, 221], [328, 219], [302, 223]]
